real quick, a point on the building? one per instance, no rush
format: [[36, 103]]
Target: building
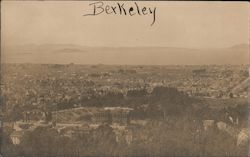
[[243, 137], [74, 130], [16, 137], [34, 115], [102, 117], [119, 115], [123, 136], [94, 115]]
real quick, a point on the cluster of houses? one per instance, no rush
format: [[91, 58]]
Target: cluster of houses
[[76, 122], [81, 121]]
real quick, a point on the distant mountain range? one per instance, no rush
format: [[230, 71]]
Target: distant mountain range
[[64, 54]]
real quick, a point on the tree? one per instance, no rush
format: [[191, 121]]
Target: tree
[[16, 113], [137, 93], [104, 141], [172, 101]]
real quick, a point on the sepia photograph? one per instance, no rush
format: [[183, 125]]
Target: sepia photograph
[[124, 79]]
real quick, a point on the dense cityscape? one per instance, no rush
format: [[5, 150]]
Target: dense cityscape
[[124, 79], [125, 110]]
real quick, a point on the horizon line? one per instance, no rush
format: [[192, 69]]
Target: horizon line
[[140, 46], [127, 64]]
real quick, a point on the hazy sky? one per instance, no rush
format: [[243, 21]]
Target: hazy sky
[[178, 24]]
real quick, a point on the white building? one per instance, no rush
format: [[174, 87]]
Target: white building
[[16, 137]]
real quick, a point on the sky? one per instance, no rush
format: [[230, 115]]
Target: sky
[[178, 24]]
